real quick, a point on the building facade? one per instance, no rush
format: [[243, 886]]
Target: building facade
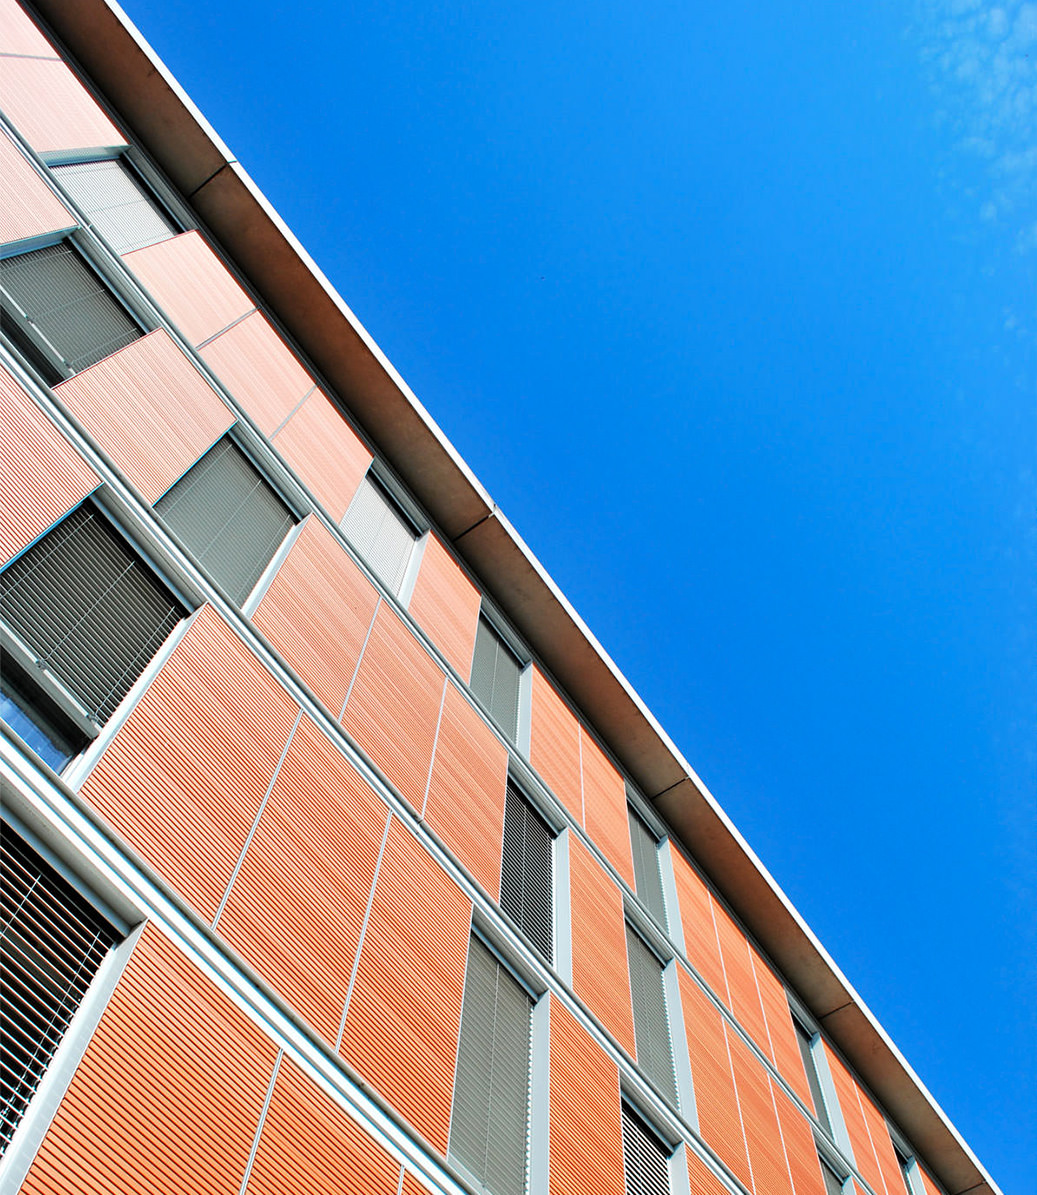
[[337, 854]]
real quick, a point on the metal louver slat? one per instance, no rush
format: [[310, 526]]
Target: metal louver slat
[[116, 203], [646, 868], [51, 943], [645, 1158], [489, 1123], [379, 533], [229, 517], [88, 608], [527, 877], [651, 1027], [495, 678]]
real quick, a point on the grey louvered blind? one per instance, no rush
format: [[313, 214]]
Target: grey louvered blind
[[230, 518], [53, 298], [651, 1027], [527, 876], [381, 535], [88, 608], [489, 1123], [646, 867], [495, 678], [51, 944], [813, 1079], [646, 1161], [117, 204]]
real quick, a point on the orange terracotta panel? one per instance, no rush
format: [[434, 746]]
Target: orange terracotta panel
[[190, 284], [183, 779], [393, 707], [465, 803], [28, 207], [715, 1100], [445, 604], [800, 1149], [882, 1146], [150, 410], [260, 370], [848, 1093], [599, 945], [51, 109], [168, 1095], [741, 979], [405, 1011], [42, 477], [586, 1120], [781, 1032], [605, 807], [317, 612], [700, 935], [297, 904], [327, 454], [702, 1180], [932, 1187], [310, 1144], [554, 744], [760, 1120], [18, 34]]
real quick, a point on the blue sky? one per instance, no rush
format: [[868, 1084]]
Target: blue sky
[[732, 310]]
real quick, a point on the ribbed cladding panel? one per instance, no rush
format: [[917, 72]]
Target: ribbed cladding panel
[[741, 979], [651, 1023], [183, 778], [716, 1102], [882, 1146], [527, 872], [799, 1147], [466, 795], [586, 1131], [394, 705], [856, 1127], [260, 370], [554, 744], [149, 409], [32, 447], [115, 202], [700, 935], [28, 207], [762, 1132], [18, 34], [169, 1093], [309, 1144], [405, 1010], [297, 905], [605, 807], [325, 452], [317, 612], [51, 109], [785, 1049], [702, 1180], [445, 604], [599, 947], [411, 1186], [191, 285]]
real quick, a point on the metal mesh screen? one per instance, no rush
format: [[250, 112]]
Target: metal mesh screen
[[651, 1027], [380, 534], [646, 868], [527, 872], [116, 203], [646, 1161], [495, 678]]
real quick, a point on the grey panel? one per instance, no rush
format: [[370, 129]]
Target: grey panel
[[651, 1027], [833, 1185], [495, 678], [527, 876], [229, 517], [380, 533], [646, 868], [87, 607], [489, 1123], [814, 1082], [645, 1158], [116, 203]]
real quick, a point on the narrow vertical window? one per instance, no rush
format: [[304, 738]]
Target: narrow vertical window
[[527, 874], [647, 876], [806, 1049], [378, 530], [833, 1183], [651, 1024], [646, 1160], [496, 673], [905, 1164], [117, 203]]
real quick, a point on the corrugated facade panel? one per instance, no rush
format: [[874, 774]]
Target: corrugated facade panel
[[411, 1186], [41, 477], [785, 1048], [554, 744], [405, 1011], [847, 1091], [393, 707], [599, 945], [585, 1118], [741, 979], [18, 34], [700, 935], [800, 1149], [51, 109], [445, 604], [760, 1121], [605, 807], [169, 1093], [702, 1180], [882, 1146], [149, 409], [932, 1187], [183, 779], [191, 285], [297, 905], [28, 207], [260, 370], [317, 612], [308, 1144], [465, 803], [715, 1100], [325, 452]]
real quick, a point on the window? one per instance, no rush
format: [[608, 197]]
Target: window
[[833, 1183], [378, 530], [647, 876], [228, 516], [59, 313], [806, 1049], [52, 942], [906, 1164], [117, 203], [489, 1122], [651, 1025], [82, 616], [646, 1160], [496, 673], [527, 875]]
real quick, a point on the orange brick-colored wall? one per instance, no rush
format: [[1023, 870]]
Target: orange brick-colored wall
[[445, 604]]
